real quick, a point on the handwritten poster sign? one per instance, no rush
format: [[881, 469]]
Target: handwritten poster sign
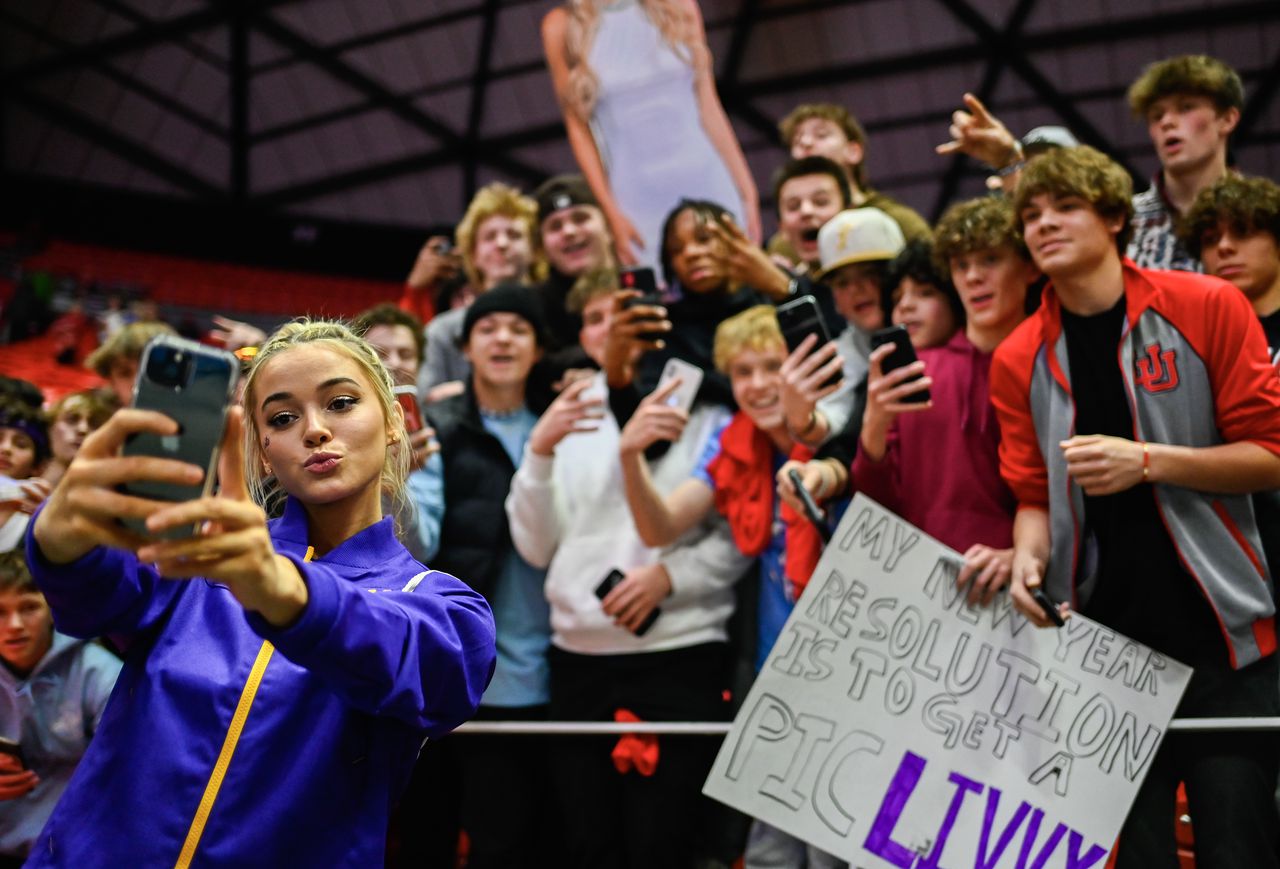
[[895, 725]]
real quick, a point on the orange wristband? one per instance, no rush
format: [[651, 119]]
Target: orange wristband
[[1146, 462]]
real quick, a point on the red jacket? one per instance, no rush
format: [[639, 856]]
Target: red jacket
[[1196, 370]]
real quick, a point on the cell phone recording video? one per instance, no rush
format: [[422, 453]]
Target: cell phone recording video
[[193, 385], [800, 318], [690, 381], [643, 279], [902, 355]]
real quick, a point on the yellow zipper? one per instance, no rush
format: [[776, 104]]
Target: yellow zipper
[[228, 749]]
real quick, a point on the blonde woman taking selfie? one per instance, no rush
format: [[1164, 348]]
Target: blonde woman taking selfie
[[279, 675]]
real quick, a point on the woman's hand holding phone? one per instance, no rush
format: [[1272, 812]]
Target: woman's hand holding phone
[[887, 396], [233, 546], [83, 510]]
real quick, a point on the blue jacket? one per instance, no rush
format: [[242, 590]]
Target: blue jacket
[[328, 726]]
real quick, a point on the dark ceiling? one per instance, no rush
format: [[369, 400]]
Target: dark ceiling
[[391, 112]]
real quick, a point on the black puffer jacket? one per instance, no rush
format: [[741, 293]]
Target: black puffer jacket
[[474, 537]]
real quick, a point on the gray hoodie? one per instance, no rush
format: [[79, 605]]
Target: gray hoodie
[[51, 713]]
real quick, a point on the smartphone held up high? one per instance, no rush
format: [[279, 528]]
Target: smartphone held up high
[[902, 355], [193, 385], [800, 318]]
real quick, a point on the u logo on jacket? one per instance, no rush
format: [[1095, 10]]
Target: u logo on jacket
[[1158, 372]]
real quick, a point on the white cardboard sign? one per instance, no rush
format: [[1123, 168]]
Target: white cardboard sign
[[894, 725]]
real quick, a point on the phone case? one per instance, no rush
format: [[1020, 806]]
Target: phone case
[[800, 318], [903, 354], [197, 398], [690, 381]]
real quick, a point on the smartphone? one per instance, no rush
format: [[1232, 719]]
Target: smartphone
[[610, 581], [690, 380], [640, 278], [194, 385], [1046, 603], [811, 511], [903, 354], [12, 748], [407, 398], [800, 318]]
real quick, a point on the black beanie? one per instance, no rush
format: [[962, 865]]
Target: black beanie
[[518, 299]]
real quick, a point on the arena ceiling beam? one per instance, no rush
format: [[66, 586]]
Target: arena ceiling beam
[[395, 103], [1257, 105], [996, 64], [476, 105], [153, 95], [73, 121]]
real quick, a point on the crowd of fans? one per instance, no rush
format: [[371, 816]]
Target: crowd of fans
[[1096, 424]]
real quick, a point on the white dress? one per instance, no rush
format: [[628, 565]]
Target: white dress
[[647, 127]]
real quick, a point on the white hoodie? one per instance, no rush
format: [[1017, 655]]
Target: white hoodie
[[569, 513]]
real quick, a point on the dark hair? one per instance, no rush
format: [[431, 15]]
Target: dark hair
[[17, 389], [17, 414], [15, 575], [916, 261], [703, 210], [387, 314], [813, 166], [1085, 172], [987, 222], [838, 115], [1247, 205], [1195, 74]]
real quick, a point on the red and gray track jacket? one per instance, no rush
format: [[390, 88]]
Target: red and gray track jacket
[[1196, 371]]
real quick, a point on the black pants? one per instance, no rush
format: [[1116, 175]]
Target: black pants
[[1230, 778], [630, 821], [507, 803]]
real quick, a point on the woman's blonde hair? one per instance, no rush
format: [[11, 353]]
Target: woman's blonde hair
[[503, 199], [339, 338], [674, 20]]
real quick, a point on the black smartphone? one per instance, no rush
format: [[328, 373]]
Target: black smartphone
[[811, 511], [610, 581], [903, 354], [193, 385], [799, 318], [13, 749], [1046, 603], [641, 278]]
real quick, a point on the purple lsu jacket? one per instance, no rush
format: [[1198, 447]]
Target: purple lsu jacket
[[228, 742]]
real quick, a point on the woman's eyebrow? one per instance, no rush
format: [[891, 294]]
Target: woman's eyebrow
[[331, 382]]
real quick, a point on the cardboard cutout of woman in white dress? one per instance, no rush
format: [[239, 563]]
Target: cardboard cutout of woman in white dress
[[635, 83]]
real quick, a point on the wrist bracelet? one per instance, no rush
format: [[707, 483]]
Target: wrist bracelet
[[1146, 462]]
